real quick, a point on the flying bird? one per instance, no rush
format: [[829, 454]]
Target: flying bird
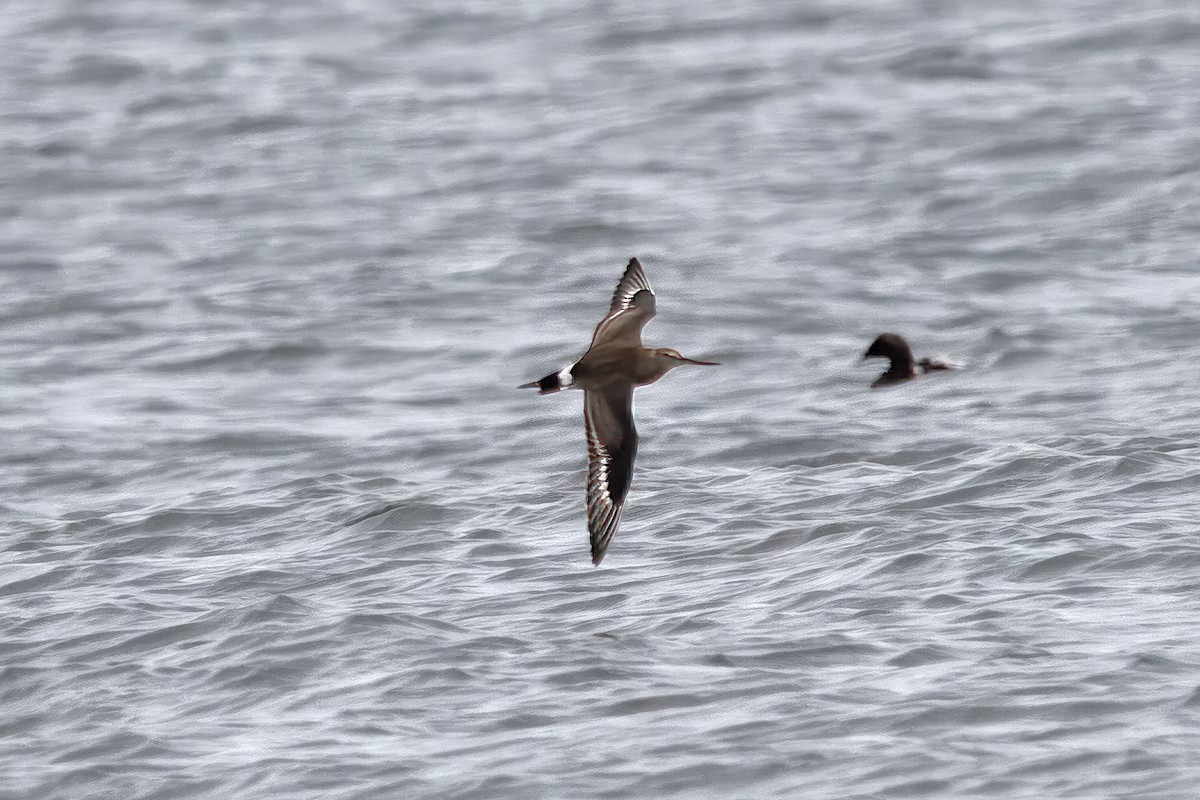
[[902, 366], [614, 364]]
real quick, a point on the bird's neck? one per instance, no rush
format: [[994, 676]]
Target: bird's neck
[[650, 367]]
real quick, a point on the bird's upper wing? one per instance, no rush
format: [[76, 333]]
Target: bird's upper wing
[[631, 308], [612, 444]]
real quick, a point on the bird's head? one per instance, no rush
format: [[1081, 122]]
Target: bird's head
[[890, 346], [672, 358]]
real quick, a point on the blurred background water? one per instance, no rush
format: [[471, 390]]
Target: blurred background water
[[268, 267]]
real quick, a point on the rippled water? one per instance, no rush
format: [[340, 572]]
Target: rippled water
[[267, 268]]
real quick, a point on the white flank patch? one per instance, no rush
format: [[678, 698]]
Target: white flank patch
[[564, 377]]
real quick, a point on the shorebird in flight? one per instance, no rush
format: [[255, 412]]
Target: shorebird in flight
[[902, 365], [615, 363]]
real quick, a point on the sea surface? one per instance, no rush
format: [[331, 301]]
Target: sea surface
[[276, 524]]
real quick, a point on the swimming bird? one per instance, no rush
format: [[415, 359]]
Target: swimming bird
[[902, 366], [614, 364]]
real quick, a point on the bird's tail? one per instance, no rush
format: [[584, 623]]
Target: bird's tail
[[936, 364], [554, 382]]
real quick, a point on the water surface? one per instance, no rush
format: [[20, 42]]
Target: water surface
[[266, 268]]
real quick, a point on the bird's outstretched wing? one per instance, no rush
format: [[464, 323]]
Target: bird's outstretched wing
[[632, 281], [631, 308], [612, 444]]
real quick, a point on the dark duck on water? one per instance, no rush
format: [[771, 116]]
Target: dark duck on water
[[902, 366]]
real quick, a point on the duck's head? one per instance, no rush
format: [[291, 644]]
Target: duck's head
[[892, 347]]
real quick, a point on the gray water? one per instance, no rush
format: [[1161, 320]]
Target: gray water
[[266, 268]]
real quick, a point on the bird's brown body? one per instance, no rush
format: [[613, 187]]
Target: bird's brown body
[[619, 364]]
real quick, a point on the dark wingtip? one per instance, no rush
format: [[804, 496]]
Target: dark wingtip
[[597, 558]]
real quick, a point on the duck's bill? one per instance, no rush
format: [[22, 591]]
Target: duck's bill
[[701, 363]]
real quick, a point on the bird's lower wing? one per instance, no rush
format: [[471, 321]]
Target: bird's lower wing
[[612, 445]]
